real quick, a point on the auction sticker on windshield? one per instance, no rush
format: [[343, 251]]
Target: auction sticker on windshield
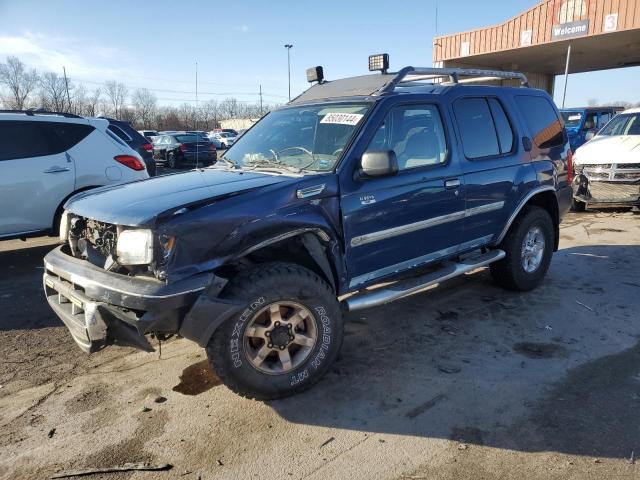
[[342, 118]]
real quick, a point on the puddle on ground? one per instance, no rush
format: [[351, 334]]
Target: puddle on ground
[[197, 379], [540, 350]]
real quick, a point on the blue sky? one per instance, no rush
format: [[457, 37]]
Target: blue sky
[[239, 45]]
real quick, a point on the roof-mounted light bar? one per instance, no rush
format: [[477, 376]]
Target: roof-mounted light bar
[[379, 62]]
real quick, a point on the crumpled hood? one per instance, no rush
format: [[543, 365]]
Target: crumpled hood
[[139, 203], [605, 149]]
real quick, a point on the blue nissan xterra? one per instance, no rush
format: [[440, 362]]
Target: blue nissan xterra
[[404, 179]]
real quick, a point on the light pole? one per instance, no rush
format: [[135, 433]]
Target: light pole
[[288, 47]]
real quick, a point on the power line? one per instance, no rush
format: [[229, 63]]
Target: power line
[[187, 92]]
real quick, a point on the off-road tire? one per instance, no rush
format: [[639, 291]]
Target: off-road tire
[[509, 272], [577, 205], [257, 288]]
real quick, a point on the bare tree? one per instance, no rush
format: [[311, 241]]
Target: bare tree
[[19, 81], [117, 94], [145, 105], [229, 108], [53, 92]]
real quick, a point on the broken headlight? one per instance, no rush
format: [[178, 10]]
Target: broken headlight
[[135, 247]]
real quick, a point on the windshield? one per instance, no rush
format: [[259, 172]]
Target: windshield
[[571, 119], [226, 135], [191, 138], [303, 138], [622, 124]]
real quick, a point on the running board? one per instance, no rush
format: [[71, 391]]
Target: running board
[[414, 285]]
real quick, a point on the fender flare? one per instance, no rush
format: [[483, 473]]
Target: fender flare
[[521, 205], [210, 311]]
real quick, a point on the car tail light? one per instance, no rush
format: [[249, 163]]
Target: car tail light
[[183, 147], [130, 161], [148, 147], [212, 147], [570, 166]]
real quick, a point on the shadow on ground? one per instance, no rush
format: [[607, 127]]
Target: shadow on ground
[[22, 301], [556, 369]]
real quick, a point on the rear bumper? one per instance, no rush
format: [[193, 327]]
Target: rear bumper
[[200, 157], [101, 308]]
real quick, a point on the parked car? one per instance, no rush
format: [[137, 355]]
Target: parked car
[[379, 180], [225, 139], [46, 157], [608, 166], [148, 134], [582, 123], [182, 149], [139, 143]]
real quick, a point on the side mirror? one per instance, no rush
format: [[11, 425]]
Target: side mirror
[[589, 135], [379, 163], [526, 144]]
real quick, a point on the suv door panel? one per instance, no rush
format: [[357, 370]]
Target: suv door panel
[[493, 184], [396, 223], [32, 187]]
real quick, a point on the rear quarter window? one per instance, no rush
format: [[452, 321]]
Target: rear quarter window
[[542, 120], [27, 139]]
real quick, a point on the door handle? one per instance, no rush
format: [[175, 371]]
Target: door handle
[[56, 169], [452, 183]]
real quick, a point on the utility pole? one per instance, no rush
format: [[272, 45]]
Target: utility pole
[[261, 100], [566, 75], [66, 84], [288, 46]]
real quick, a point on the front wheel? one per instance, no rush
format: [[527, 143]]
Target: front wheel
[[577, 205], [529, 247], [286, 337]]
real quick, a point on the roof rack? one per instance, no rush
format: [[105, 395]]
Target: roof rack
[[411, 74], [32, 112]]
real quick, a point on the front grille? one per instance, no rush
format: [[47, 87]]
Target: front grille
[[621, 172], [93, 241], [604, 166], [614, 192]]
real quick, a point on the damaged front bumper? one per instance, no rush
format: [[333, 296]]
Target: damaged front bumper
[[101, 308], [609, 184]]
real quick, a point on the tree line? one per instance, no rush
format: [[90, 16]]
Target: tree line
[[23, 88]]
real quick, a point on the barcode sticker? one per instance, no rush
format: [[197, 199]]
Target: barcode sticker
[[342, 118]]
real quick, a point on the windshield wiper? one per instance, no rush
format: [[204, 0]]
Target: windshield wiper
[[228, 161]]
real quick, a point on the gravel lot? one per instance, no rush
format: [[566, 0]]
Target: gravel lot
[[465, 381]]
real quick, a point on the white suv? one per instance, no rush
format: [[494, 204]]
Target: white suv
[[47, 157]]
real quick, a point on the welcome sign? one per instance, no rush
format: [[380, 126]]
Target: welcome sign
[[563, 31]]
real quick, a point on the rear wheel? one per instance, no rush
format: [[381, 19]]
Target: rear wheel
[[286, 337], [529, 247], [172, 161]]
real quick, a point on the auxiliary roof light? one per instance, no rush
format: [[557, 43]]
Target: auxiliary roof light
[[379, 62], [315, 74]]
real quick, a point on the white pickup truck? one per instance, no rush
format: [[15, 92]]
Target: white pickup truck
[[607, 167]]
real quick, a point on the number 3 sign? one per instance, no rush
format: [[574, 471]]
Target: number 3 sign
[[611, 22]]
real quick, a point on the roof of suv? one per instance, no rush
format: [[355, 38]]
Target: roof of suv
[[406, 80], [35, 115]]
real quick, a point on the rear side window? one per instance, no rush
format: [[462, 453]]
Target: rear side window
[[503, 128], [479, 137], [124, 136], [37, 139], [542, 121]]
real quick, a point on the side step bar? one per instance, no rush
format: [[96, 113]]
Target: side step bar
[[414, 285]]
